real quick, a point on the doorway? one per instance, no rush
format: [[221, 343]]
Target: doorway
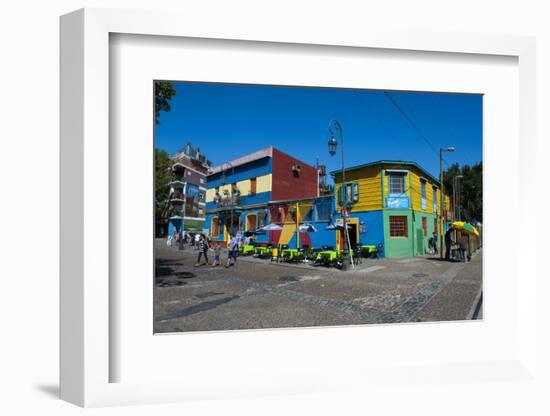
[[353, 235]]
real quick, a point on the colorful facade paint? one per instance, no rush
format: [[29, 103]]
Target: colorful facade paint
[[290, 214], [394, 203], [187, 209], [240, 192]]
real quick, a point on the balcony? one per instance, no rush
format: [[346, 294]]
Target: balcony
[[177, 181], [228, 201], [176, 213], [177, 197]]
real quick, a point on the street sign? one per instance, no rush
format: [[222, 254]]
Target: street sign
[[345, 213]]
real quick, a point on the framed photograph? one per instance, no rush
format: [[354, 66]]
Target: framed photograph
[[275, 233], [284, 212]]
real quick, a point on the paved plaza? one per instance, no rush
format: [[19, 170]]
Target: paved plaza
[[259, 294]]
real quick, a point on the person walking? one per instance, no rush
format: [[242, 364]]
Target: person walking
[[448, 241], [217, 253], [203, 250], [197, 241], [434, 243], [463, 243], [233, 252]]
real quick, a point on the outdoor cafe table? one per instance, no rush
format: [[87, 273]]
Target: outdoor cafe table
[[290, 252], [263, 250], [330, 254], [368, 249]]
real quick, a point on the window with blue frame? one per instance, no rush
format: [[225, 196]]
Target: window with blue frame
[[397, 190], [306, 211], [262, 219], [396, 183], [323, 209], [348, 194]]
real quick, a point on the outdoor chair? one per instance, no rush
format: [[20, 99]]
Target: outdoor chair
[[377, 252]]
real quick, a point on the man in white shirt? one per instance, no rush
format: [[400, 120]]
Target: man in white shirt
[[233, 251]]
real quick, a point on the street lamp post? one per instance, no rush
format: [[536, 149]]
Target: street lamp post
[[441, 196], [456, 196], [335, 129], [223, 178]]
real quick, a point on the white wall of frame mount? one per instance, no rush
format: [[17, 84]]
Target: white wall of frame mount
[[515, 382]]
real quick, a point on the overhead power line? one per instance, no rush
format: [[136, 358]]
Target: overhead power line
[[414, 126], [411, 122]]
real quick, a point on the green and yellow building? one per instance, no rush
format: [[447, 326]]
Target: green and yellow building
[[393, 203]]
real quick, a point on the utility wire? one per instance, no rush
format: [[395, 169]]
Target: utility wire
[[402, 112], [411, 122]]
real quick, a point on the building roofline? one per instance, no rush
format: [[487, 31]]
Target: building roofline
[[309, 198], [250, 157], [389, 162]]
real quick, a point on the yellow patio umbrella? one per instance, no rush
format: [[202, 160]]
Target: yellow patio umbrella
[[465, 227]]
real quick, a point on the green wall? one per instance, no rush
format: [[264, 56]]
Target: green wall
[[416, 243], [421, 241], [397, 246]]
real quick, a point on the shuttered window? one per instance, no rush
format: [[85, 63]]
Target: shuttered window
[[348, 194], [253, 182], [425, 226]]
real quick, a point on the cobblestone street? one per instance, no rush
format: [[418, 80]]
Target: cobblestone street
[[258, 294]]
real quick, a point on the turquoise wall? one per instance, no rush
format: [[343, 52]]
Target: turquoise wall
[[415, 243]]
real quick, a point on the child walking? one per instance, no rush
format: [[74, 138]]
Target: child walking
[[217, 251]]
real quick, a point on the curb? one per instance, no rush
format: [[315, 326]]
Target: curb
[[473, 309]]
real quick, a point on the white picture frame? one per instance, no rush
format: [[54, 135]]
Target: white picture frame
[[85, 211]]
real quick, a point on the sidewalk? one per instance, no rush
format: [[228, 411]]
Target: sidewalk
[[458, 299]]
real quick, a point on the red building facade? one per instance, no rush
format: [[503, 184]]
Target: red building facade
[[292, 178]]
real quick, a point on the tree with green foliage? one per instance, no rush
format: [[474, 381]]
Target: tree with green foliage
[[471, 189], [164, 91], [163, 176]]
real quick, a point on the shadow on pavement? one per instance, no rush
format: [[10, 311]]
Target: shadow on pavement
[[167, 276]]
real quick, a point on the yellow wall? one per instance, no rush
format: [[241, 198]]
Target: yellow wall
[[370, 192], [263, 184], [289, 226], [438, 196], [244, 187], [417, 193], [370, 188]]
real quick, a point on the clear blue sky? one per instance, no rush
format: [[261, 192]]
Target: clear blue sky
[[228, 120]]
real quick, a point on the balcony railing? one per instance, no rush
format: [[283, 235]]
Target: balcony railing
[[178, 178], [228, 201], [177, 213], [177, 197]]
